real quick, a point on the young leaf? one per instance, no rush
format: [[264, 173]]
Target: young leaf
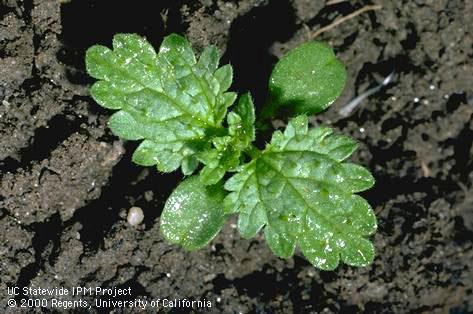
[[218, 160], [242, 122], [193, 214], [226, 151], [306, 80], [169, 99], [299, 190]]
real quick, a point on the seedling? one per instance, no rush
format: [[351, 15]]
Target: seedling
[[299, 190]]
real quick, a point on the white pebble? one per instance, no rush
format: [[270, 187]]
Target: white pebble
[[135, 216]]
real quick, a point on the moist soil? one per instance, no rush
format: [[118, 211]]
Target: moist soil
[[67, 182]]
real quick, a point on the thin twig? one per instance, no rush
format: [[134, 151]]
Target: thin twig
[[331, 2], [307, 30], [345, 18]]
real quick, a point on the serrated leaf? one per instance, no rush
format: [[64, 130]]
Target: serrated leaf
[[107, 96], [133, 46], [125, 126], [208, 60], [301, 193], [177, 51], [211, 175], [298, 135], [306, 80], [193, 214], [224, 75], [146, 154], [244, 127], [170, 99], [225, 100]]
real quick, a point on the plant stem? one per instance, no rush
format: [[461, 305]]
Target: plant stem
[[253, 151]]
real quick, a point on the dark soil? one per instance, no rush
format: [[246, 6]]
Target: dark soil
[[67, 182]]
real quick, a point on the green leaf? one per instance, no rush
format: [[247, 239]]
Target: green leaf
[[321, 140], [193, 214], [208, 60], [172, 101], [224, 75], [306, 80], [299, 190], [225, 154], [225, 100], [243, 127], [301, 193], [107, 96], [221, 158]]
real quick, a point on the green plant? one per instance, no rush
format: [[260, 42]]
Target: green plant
[[298, 189]]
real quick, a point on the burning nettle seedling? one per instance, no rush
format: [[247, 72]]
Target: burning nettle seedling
[[298, 189]]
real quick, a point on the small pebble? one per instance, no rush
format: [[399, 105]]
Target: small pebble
[[149, 195], [135, 216]]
